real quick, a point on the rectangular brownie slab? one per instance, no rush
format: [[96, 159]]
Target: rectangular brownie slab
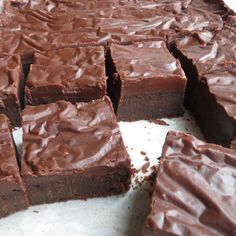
[[73, 151], [194, 193], [11, 88], [12, 190], [72, 74], [145, 81]]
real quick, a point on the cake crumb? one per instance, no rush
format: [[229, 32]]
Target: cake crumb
[[143, 153], [146, 158], [159, 122], [145, 167]]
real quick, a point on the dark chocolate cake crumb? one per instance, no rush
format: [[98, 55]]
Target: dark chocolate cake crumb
[[143, 153], [145, 167], [159, 122], [146, 158]]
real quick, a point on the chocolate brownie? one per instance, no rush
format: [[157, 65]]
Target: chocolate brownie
[[72, 74], [145, 81], [11, 90], [73, 151], [12, 191], [209, 62], [194, 193], [214, 104]]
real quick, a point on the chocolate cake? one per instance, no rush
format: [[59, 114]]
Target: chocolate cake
[[194, 193], [209, 64], [73, 151], [145, 81], [72, 74]]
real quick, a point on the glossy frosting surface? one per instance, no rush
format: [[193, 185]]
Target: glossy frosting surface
[[145, 60], [62, 137], [68, 77], [107, 21], [72, 68], [221, 81], [195, 189], [9, 78]]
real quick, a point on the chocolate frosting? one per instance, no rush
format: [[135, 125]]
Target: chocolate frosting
[[69, 69], [71, 78], [221, 81], [207, 50], [40, 28], [70, 138], [10, 76], [195, 189], [87, 57], [149, 61]]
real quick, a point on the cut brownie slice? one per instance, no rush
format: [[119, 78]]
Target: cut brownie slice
[[214, 104], [11, 89], [12, 191], [145, 81], [73, 151], [73, 74], [194, 193], [209, 64]]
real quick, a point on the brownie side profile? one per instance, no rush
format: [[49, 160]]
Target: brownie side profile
[[145, 81], [75, 75], [195, 189], [73, 152], [11, 90], [209, 64], [12, 191]]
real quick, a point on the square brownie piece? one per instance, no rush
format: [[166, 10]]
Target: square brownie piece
[[73, 151], [72, 74], [145, 81], [11, 88], [12, 191], [194, 193]]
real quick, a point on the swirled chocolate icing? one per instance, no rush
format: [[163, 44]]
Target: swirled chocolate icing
[[195, 189]]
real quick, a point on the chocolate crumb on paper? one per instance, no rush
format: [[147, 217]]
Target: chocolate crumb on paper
[[159, 122]]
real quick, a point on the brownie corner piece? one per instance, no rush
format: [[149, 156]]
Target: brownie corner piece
[[145, 81], [194, 193], [12, 190], [11, 88], [73, 152]]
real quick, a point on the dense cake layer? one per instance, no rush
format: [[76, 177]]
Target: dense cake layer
[[73, 151], [12, 190], [195, 189], [145, 81], [11, 93]]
